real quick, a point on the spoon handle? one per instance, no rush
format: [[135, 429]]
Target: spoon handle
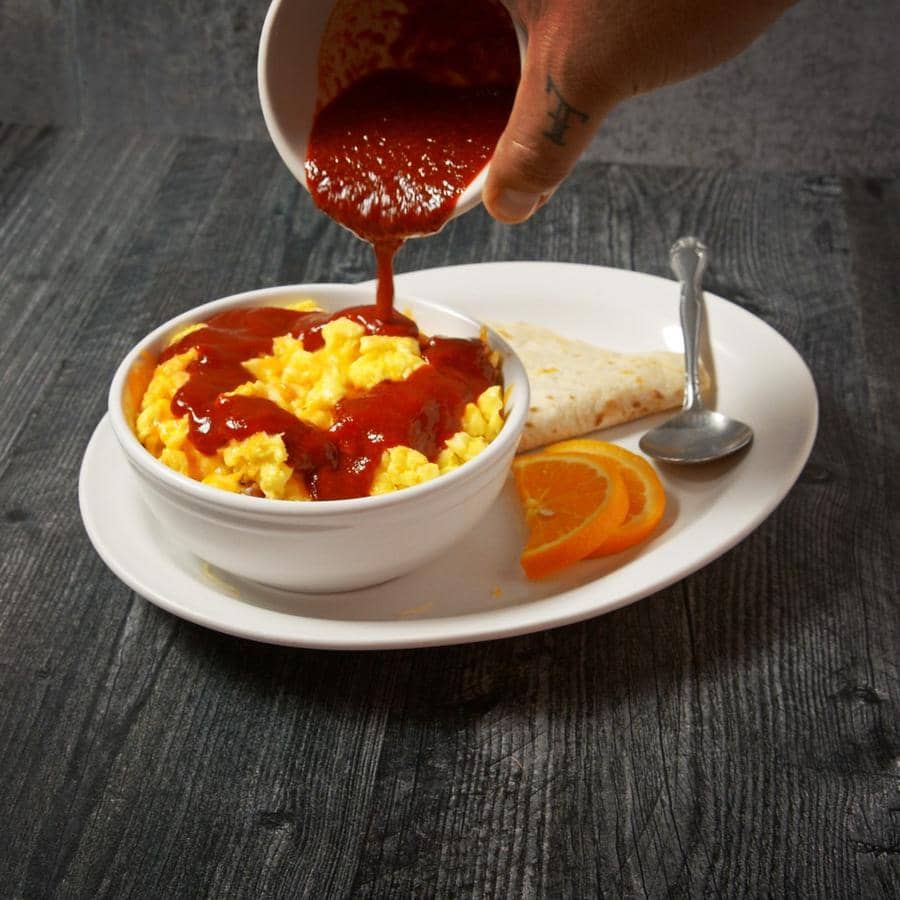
[[688, 258]]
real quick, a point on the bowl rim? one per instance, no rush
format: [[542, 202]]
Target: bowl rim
[[226, 501]]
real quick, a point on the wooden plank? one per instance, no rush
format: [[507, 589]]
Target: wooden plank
[[39, 61], [734, 734], [100, 653], [723, 680]]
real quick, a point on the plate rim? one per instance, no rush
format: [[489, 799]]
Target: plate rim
[[469, 627]]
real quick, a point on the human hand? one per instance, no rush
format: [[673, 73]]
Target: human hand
[[584, 57]]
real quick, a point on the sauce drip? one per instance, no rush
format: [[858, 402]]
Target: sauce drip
[[388, 158], [391, 154], [420, 412]]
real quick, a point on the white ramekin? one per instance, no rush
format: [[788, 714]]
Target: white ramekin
[[333, 545], [288, 83]]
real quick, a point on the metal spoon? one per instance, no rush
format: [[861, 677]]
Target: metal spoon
[[696, 434]]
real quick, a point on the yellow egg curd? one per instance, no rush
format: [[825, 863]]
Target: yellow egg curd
[[307, 384]]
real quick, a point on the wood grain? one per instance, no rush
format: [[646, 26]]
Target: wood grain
[[736, 734]]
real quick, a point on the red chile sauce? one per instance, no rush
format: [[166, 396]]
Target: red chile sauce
[[388, 158], [340, 462], [391, 154]]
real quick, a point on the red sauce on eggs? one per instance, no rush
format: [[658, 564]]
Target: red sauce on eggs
[[388, 158], [340, 462]]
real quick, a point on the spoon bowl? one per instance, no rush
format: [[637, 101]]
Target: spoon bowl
[[696, 437], [696, 434]]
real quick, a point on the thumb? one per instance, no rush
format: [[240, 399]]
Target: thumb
[[554, 116]]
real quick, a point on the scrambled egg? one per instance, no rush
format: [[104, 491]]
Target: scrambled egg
[[309, 385]]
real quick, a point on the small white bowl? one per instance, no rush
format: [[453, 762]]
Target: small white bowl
[[288, 83], [321, 546]]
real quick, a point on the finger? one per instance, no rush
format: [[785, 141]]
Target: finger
[[556, 112]]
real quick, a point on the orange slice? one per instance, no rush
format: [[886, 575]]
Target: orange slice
[[572, 502], [646, 495]]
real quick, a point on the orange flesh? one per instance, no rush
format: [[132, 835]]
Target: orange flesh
[[572, 503], [646, 495]]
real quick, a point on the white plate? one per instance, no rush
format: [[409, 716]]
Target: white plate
[[477, 590]]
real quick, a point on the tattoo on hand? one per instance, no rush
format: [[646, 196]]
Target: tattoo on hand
[[560, 114]]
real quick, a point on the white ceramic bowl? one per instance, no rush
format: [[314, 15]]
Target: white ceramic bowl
[[287, 76], [332, 545]]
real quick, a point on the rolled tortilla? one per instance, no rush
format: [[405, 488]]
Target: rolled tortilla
[[577, 388]]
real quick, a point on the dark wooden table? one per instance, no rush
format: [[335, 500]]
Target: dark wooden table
[[735, 734]]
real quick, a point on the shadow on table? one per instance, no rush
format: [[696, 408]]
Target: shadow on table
[[707, 626]]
